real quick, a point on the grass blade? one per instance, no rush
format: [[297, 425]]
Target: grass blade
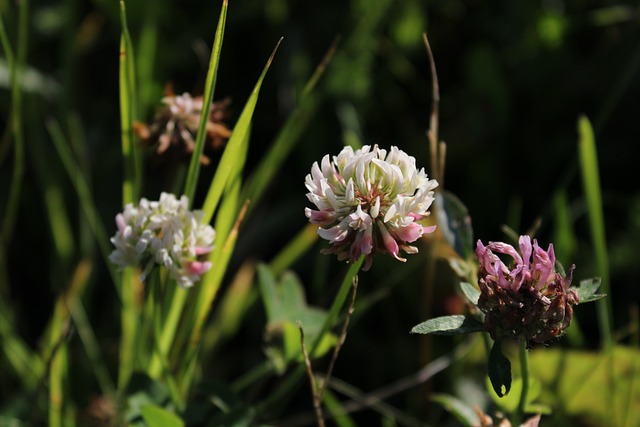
[[194, 165], [591, 183], [288, 136], [17, 67], [230, 159], [84, 195], [131, 182], [27, 365]]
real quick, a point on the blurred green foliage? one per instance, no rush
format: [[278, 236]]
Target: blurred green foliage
[[514, 77]]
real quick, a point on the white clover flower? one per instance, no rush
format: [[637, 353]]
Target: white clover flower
[[163, 233], [369, 200]]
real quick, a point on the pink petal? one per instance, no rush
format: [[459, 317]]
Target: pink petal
[[410, 233], [320, 217], [525, 248], [201, 250], [197, 267], [334, 234], [120, 223], [389, 242]]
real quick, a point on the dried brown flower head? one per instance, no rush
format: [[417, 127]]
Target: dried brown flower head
[[175, 125]]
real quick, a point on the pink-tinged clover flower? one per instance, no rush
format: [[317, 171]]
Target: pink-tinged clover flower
[[176, 125], [166, 233], [368, 201], [525, 297]]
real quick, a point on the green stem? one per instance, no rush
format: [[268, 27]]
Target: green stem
[[129, 326], [178, 300], [299, 372], [524, 372], [250, 377]]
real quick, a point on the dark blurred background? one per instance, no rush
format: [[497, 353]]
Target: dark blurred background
[[513, 76]]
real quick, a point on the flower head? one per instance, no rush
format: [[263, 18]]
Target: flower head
[[369, 200], [176, 124], [163, 233], [526, 297]]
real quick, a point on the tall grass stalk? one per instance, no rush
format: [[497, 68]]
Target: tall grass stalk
[[294, 249], [130, 193], [176, 298], [591, 184], [131, 181], [92, 347], [27, 364], [17, 66], [80, 184], [227, 181], [207, 99], [288, 135], [60, 330]]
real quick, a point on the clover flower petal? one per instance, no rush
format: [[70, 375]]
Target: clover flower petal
[[369, 200], [163, 233], [526, 298]]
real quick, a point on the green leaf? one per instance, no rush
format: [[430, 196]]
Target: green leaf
[[577, 380], [499, 370], [449, 325], [286, 306], [155, 416], [470, 292], [587, 290], [143, 391], [461, 410]]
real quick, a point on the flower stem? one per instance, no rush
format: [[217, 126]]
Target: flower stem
[[524, 372], [177, 299]]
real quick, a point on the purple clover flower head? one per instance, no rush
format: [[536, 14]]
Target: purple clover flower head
[[165, 233], [368, 201], [525, 297]]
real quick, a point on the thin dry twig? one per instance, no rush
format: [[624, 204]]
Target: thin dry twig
[[343, 337], [376, 399], [317, 406], [318, 392]]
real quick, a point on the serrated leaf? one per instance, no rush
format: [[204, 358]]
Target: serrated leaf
[[155, 416], [286, 306], [461, 410], [448, 325], [499, 370], [470, 292], [586, 290]]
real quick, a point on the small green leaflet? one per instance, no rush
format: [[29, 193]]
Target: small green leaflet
[[587, 290], [449, 325]]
